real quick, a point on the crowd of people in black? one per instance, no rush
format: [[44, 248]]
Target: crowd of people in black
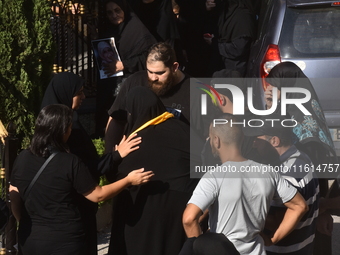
[[207, 36], [155, 136]]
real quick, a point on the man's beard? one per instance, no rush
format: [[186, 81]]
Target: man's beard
[[161, 88]]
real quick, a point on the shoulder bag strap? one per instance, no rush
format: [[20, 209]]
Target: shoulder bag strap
[[38, 173]]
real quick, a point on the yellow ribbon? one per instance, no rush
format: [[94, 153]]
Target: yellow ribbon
[[159, 119]]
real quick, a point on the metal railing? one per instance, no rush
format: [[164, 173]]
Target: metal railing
[[71, 32], [9, 152], [70, 29]]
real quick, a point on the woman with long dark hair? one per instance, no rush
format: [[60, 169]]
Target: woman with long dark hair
[[47, 209], [68, 89]]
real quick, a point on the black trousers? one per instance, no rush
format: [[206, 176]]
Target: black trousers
[[52, 248], [209, 244]]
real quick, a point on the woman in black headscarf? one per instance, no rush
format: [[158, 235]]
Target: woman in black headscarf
[[312, 134], [236, 28], [148, 219], [67, 88], [311, 130], [133, 40]]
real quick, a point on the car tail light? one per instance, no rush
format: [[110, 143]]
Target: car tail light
[[271, 59], [336, 4]]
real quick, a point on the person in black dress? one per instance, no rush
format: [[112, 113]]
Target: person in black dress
[[49, 218], [148, 219], [133, 40], [67, 88]]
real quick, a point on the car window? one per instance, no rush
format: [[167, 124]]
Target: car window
[[310, 32]]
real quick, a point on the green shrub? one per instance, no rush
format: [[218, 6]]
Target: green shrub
[[100, 147], [26, 58]]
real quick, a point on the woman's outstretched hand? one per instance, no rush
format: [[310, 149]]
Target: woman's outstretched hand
[[138, 177], [128, 145]]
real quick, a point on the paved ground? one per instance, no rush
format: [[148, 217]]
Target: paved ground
[[103, 240]]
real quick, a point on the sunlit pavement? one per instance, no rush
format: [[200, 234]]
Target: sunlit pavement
[[103, 240]]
